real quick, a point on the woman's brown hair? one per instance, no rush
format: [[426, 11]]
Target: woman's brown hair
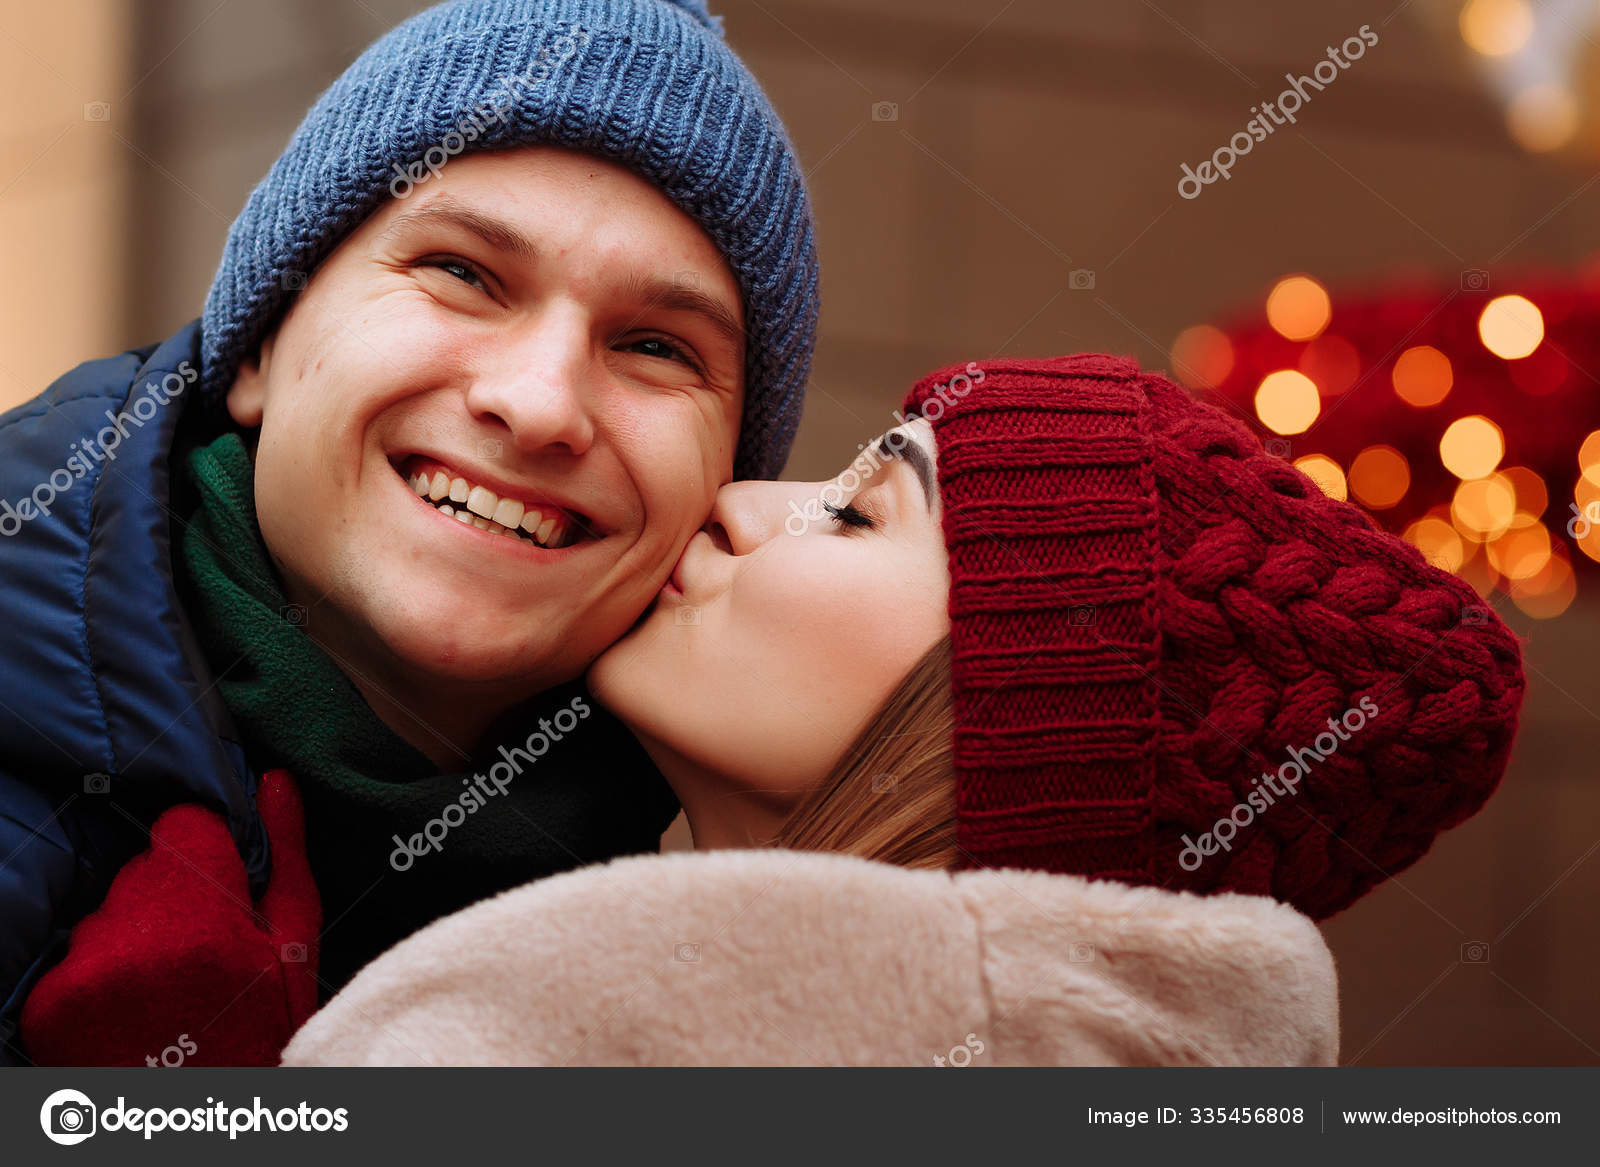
[[892, 796]]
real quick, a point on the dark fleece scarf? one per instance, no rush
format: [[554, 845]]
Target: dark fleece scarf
[[559, 783]]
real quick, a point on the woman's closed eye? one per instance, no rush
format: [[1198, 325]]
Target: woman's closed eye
[[850, 518]]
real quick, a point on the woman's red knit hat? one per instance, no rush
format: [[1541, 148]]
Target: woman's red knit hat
[[1177, 662]]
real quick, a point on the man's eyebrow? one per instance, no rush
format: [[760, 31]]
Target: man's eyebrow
[[906, 447], [495, 232], [677, 297]]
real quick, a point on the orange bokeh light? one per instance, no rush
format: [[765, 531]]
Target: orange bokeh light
[[1379, 477], [1422, 376], [1483, 507], [1589, 457], [1202, 356], [1298, 307], [1532, 495], [1472, 447], [1523, 550], [1325, 472], [1511, 327], [1438, 542], [1287, 402], [1547, 593], [1496, 28]]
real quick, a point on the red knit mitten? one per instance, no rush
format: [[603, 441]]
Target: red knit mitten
[[177, 957]]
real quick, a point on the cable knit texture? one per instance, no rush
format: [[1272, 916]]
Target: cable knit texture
[[648, 84], [1150, 613]]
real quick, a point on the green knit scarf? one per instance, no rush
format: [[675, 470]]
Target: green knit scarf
[[590, 796]]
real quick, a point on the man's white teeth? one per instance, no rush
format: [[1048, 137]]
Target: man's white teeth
[[488, 511], [507, 512]]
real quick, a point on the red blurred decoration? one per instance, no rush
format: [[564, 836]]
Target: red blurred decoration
[[1545, 403], [1333, 363]]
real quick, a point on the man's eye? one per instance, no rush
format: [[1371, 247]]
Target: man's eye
[[459, 268], [661, 347]]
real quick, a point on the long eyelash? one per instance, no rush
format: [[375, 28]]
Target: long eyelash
[[849, 517]]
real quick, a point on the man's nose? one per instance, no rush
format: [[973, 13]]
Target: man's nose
[[538, 389], [747, 515]]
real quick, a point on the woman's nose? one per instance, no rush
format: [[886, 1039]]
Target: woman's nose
[[746, 515]]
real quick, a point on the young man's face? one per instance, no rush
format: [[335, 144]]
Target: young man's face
[[548, 328]]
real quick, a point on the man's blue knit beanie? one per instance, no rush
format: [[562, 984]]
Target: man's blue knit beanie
[[649, 84]]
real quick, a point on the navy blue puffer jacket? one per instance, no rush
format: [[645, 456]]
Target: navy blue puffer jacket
[[107, 711]]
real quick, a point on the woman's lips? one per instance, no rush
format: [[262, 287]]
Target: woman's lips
[[677, 581]]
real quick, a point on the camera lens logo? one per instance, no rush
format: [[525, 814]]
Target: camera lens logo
[[67, 1117]]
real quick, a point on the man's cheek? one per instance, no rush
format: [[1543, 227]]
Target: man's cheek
[[726, 442]]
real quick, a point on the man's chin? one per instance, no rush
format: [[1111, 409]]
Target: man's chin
[[435, 639], [620, 667], [482, 662], [631, 638], [644, 618]]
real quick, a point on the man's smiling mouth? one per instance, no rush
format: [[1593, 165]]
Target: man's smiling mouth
[[541, 524]]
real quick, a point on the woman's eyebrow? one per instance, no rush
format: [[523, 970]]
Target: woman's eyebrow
[[908, 449]]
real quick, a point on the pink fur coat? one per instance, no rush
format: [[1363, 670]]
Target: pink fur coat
[[771, 957]]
